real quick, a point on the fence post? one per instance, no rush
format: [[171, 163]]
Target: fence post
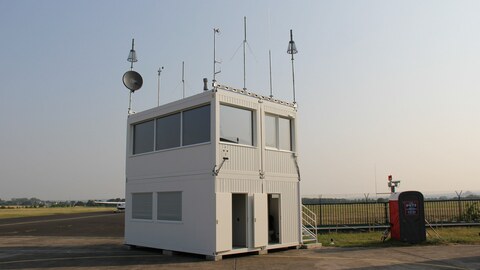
[[320, 211], [385, 206], [368, 215], [459, 205]]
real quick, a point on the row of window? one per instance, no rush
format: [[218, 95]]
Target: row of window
[[174, 130], [169, 206], [193, 126]]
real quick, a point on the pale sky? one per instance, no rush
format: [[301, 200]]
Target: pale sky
[[383, 87]]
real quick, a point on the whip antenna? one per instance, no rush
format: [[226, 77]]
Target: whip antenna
[[158, 86], [244, 52], [215, 62], [183, 77]]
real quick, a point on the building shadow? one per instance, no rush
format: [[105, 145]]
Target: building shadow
[[89, 256]]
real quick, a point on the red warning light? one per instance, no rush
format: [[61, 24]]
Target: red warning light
[[390, 178]]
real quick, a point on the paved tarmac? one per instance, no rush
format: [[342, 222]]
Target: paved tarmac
[[95, 241]]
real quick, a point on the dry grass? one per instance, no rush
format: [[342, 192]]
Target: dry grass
[[35, 212]]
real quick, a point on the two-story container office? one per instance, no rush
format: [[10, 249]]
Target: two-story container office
[[215, 174]]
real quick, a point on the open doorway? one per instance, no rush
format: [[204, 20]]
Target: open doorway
[[273, 218], [239, 220]]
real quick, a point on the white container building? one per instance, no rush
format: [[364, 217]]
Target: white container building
[[214, 174]]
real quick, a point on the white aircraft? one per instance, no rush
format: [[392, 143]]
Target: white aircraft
[[120, 205]]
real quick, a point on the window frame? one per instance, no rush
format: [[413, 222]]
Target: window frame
[[133, 217], [252, 123], [181, 207], [277, 132], [182, 138], [133, 135], [179, 113]]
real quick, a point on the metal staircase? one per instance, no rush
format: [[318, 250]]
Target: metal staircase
[[309, 226]]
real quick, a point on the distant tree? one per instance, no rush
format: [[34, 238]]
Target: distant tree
[[35, 202], [90, 203], [472, 213], [19, 201], [60, 204], [79, 203], [116, 200]]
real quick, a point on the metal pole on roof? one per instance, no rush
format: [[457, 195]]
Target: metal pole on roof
[[270, 65], [158, 86], [215, 62], [244, 52], [292, 49], [183, 77]]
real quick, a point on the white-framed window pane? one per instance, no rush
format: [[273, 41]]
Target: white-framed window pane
[[143, 137], [168, 132], [196, 125], [284, 134], [142, 205], [270, 131], [236, 125], [169, 206]]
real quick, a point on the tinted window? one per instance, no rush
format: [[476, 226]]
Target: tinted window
[[284, 134], [168, 132], [236, 125], [169, 206], [143, 137], [196, 125], [270, 131], [278, 132], [142, 205]]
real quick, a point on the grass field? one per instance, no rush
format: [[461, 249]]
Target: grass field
[[464, 235], [35, 212]]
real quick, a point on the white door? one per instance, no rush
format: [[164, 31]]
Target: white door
[[260, 220], [223, 204]]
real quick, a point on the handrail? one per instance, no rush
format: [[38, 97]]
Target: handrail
[[309, 218]]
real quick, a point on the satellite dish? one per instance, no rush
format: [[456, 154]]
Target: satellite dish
[[132, 80]]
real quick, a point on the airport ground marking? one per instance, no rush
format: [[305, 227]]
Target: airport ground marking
[[278, 256], [79, 258], [53, 220], [373, 260]]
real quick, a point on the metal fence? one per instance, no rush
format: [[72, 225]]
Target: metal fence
[[376, 214]]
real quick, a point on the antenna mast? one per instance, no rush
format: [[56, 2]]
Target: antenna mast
[[183, 77], [132, 56], [244, 52], [292, 49], [158, 86], [215, 62], [270, 64], [270, 56], [132, 79]]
